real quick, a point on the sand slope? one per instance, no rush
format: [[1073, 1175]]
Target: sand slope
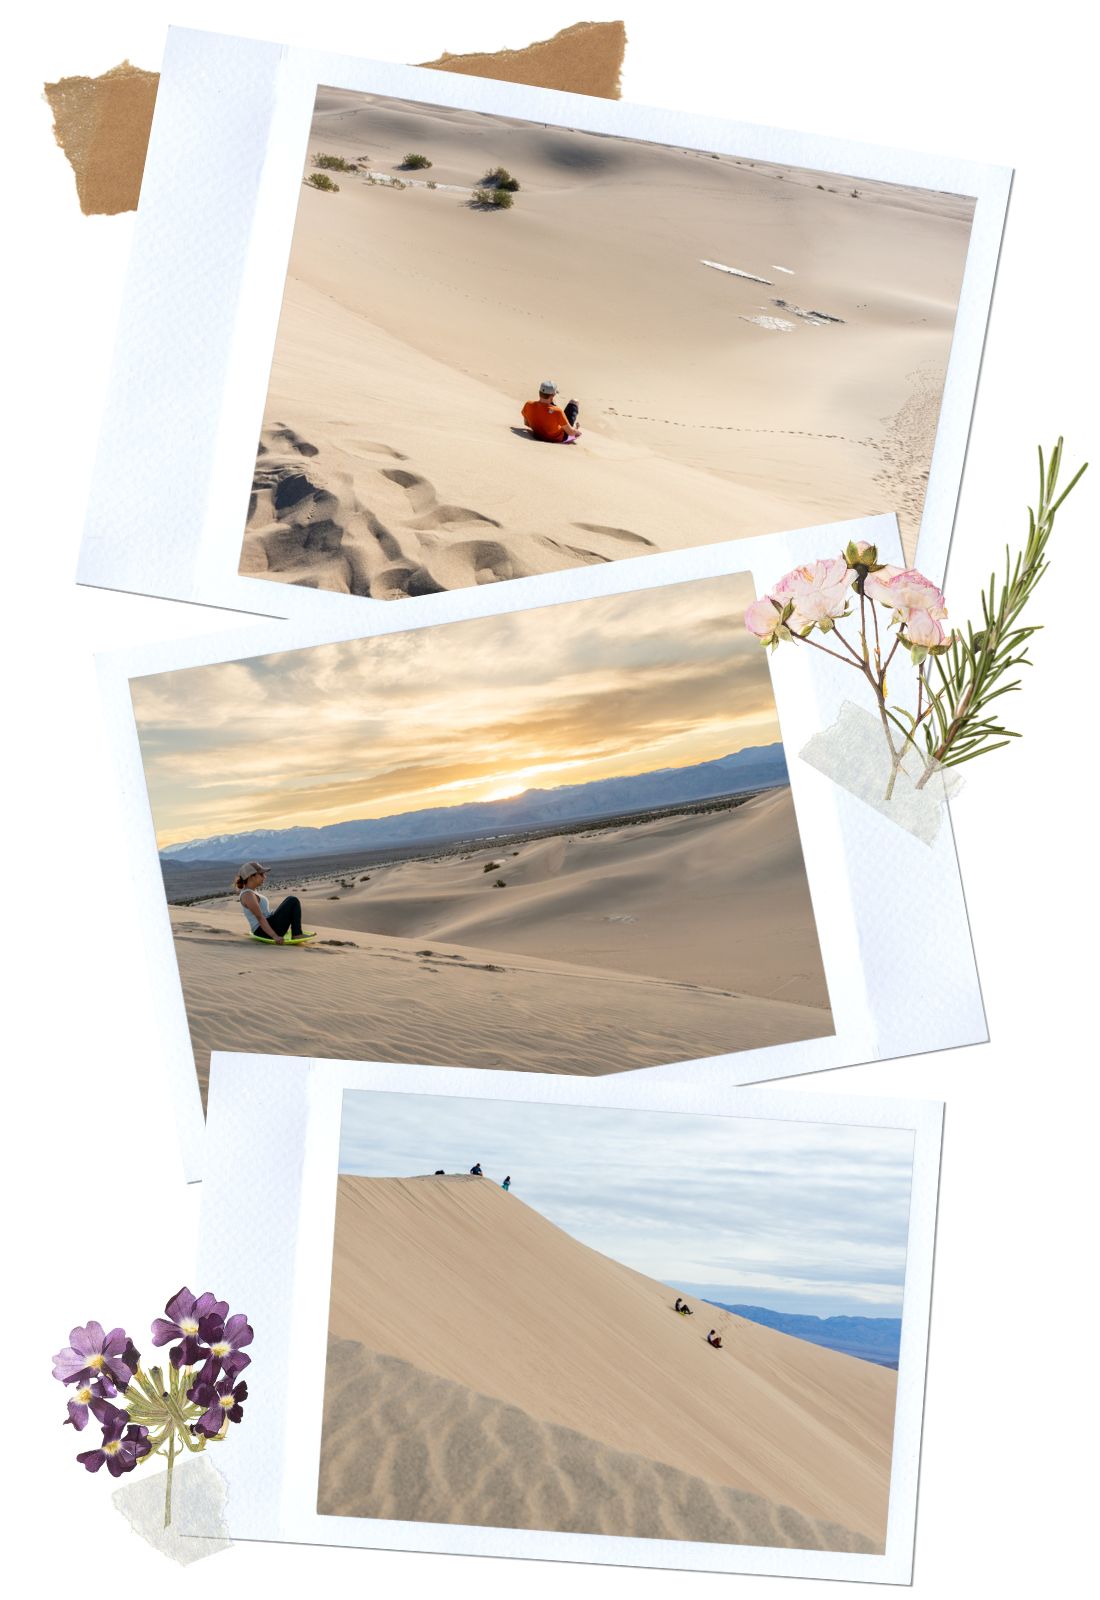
[[472, 1286], [425, 1450], [716, 899], [413, 328], [633, 946], [388, 999]]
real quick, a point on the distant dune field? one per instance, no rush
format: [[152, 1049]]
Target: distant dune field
[[413, 327], [508, 1375], [629, 946]]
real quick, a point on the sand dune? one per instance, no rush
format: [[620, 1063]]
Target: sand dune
[[468, 1285], [624, 947], [677, 898], [425, 1450], [392, 459]]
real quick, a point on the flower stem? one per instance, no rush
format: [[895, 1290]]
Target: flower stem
[[168, 1484]]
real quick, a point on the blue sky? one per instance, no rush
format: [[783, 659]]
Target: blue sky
[[805, 1217]]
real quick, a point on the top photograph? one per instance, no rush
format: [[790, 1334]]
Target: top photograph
[[507, 347]]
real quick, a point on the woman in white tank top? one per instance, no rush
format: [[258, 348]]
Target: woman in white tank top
[[284, 924]]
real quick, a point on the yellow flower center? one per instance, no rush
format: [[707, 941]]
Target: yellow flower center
[[221, 1349], [226, 1402], [84, 1395], [95, 1362], [113, 1448], [189, 1326]]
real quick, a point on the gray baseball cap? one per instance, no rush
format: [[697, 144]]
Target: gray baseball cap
[[249, 868], [547, 387]]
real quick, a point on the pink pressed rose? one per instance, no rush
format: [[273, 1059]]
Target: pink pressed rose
[[818, 591], [905, 590], [763, 618], [921, 627]]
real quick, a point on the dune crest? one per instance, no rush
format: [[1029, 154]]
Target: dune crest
[[472, 1286]]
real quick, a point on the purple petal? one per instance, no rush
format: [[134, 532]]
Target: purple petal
[[208, 1305], [78, 1415], [163, 1331], [115, 1342], [118, 1369], [87, 1341], [235, 1362], [112, 1418], [68, 1364], [211, 1328], [181, 1306], [237, 1330], [91, 1460]]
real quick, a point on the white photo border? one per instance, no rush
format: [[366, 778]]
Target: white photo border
[[274, 1139], [208, 268], [900, 967]]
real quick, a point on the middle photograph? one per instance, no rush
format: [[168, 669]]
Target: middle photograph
[[572, 838]]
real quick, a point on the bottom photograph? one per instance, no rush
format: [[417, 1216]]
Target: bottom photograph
[[635, 1334]]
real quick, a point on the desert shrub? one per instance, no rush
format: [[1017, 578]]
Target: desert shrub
[[321, 180], [334, 163], [491, 866], [500, 884], [365, 878], [431, 184], [500, 178], [412, 160], [334, 897], [491, 199]]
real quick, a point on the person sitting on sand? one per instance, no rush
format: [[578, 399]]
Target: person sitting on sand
[[266, 925], [507, 1184], [683, 1308], [548, 420], [713, 1340], [475, 1170]]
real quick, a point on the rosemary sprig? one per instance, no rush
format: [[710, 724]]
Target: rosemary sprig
[[958, 725]]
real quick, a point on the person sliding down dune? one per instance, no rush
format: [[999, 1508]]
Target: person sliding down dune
[[683, 1308], [270, 927], [549, 421], [475, 1170], [714, 1340]]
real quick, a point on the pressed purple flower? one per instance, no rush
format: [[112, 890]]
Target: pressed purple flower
[[122, 1447], [223, 1404], [91, 1354], [224, 1338], [86, 1395], [186, 1312]]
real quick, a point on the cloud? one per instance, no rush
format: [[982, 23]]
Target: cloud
[[803, 1209], [440, 715]]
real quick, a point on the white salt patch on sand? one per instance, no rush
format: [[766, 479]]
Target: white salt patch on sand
[[789, 270], [736, 272], [776, 324]]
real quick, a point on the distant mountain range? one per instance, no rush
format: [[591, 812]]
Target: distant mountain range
[[875, 1339], [759, 767]]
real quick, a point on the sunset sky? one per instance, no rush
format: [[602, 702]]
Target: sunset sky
[[462, 712]]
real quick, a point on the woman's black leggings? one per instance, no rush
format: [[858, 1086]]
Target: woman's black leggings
[[286, 915], [572, 412]]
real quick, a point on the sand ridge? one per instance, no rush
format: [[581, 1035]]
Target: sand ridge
[[426, 1450], [606, 950], [470, 1285], [393, 460]]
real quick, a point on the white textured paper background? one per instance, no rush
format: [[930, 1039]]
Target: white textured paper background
[[211, 245], [890, 912], [266, 1237]]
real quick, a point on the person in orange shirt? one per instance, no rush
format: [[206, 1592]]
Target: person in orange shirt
[[550, 421]]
